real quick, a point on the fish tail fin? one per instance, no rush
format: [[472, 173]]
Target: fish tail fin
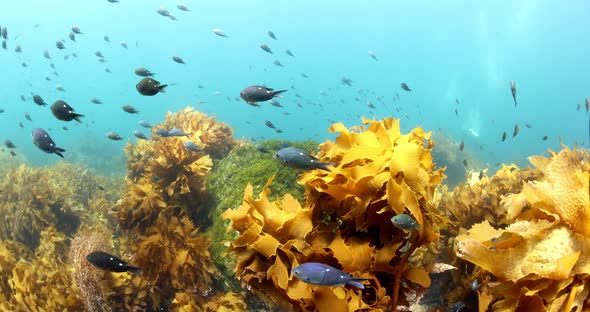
[[59, 151], [276, 93], [356, 282], [324, 166], [135, 270], [77, 117], [161, 88]]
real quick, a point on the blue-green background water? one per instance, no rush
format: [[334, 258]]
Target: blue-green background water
[[469, 50]]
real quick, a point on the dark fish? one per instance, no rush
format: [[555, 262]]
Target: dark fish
[[106, 261], [12, 153], [265, 47], [113, 1], [63, 111], [4, 45], [515, 132], [76, 29], [182, 7], [405, 222], [143, 72], [2, 110], [461, 146], [465, 162], [60, 88], [149, 87], [138, 134], [20, 124], [23, 98], [4, 33], [289, 53], [9, 143], [304, 75], [177, 132], [278, 131], [504, 136], [456, 112], [178, 59], [253, 94], [114, 136], [578, 108], [106, 38], [278, 63], [271, 34], [65, 128], [373, 56], [39, 100], [481, 174], [124, 44], [100, 187], [587, 104], [163, 133], [457, 101], [316, 273], [102, 60], [43, 141], [513, 90], [545, 138], [527, 125], [95, 101], [60, 45], [163, 11], [269, 124], [28, 116], [18, 49], [144, 124], [98, 54], [107, 70], [371, 105], [299, 159], [72, 36], [46, 55], [130, 109], [405, 86], [346, 81], [261, 148], [192, 146]]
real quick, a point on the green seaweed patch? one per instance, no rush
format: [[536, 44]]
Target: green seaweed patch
[[229, 177]]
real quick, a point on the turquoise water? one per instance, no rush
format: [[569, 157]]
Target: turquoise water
[[444, 50]]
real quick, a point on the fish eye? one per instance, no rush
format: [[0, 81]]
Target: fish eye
[[307, 279]]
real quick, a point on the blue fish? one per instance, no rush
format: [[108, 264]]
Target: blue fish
[[191, 146], [163, 133], [43, 141], [405, 222], [106, 261], [176, 132], [324, 275], [299, 159]]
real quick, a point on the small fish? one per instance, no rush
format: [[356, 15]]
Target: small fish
[[76, 30], [106, 261], [545, 138], [43, 141], [60, 88], [289, 53], [182, 7], [4, 46], [456, 112], [143, 72], [114, 136], [163, 11], [587, 105], [12, 153], [513, 90], [278, 63], [276, 103], [72, 36], [138, 134], [261, 148], [28, 116], [107, 70], [272, 35], [46, 55], [504, 136], [124, 44], [299, 159], [9, 143], [130, 109], [515, 132], [461, 146], [192, 146], [98, 54], [177, 132], [527, 125], [163, 133], [304, 75], [113, 1], [316, 273], [2, 110], [156, 178], [18, 48], [4, 33], [405, 86], [269, 124], [265, 47], [102, 60], [219, 32], [373, 56], [481, 174], [144, 124], [20, 124], [65, 128], [371, 105], [578, 107], [106, 38], [39, 100], [178, 59], [465, 162], [405, 222], [60, 45], [253, 94], [100, 187], [457, 101], [95, 101], [63, 111], [149, 87], [346, 81]]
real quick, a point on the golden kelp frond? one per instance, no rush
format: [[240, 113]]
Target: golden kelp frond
[[174, 257], [213, 137], [88, 278], [542, 258], [42, 284], [189, 302], [139, 156], [10, 253]]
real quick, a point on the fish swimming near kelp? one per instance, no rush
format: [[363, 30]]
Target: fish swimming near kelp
[[316, 273], [253, 94], [405, 222], [106, 261], [299, 159], [149, 87], [43, 141]]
